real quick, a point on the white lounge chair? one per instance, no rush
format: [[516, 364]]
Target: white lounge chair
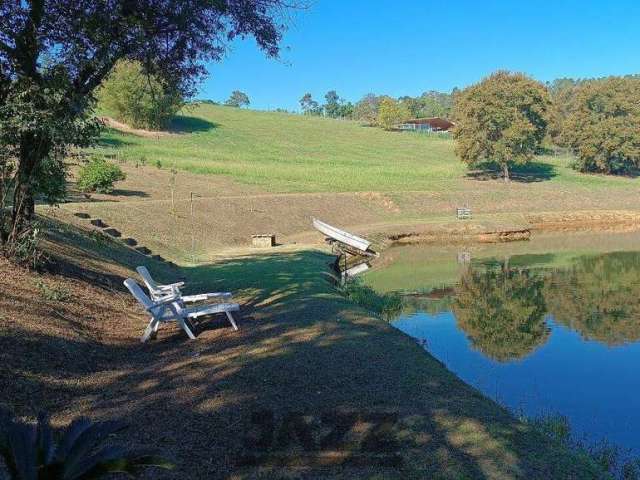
[[172, 309], [158, 291]]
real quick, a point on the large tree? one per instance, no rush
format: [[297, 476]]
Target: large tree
[[55, 53], [603, 125], [501, 121], [139, 100]]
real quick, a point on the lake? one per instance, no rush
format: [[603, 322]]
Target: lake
[[548, 326]]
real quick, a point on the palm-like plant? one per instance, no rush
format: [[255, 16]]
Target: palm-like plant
[[31, 452]]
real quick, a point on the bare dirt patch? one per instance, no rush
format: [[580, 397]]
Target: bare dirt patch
[[123, 127]]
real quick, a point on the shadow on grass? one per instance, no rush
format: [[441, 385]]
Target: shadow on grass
[[530, 173], [112, 141], [304, 359], [186, 124]]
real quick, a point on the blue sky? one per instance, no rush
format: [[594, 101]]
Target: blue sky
[[407, 47]]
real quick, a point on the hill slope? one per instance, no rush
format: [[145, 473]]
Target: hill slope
[[293, 153]]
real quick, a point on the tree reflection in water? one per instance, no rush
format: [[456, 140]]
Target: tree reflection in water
[[599, 297], [502, 311]]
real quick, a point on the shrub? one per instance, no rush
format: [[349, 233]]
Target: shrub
[[387, 305], [138, 99], [55, 293], [99, 176], [603, 125], [501, 121], [33, 452]]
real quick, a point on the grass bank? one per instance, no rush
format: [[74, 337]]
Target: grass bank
[[310, 387]]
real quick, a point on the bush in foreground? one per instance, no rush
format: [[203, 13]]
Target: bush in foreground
[[32, 452], [99, 176], [137, 98], [501, 121], [603, 125]]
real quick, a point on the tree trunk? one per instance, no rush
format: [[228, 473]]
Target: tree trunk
[[31, 154], [505, 172]]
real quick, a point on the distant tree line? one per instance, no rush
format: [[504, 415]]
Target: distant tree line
[[380, 110]]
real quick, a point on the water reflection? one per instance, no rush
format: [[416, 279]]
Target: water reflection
[[503, 305], [502, 311], [598, 296], [542, 333]]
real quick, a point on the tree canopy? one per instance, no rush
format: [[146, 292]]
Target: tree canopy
[[602, 126], [309, 106], [391, 113], [502, 120], [237, 99], [138, 99], [55, 53]]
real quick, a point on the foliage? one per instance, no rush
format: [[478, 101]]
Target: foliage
[[33, 452], [561, 92], [25, 250], [366, 109], [603, 125], [54, 293], [604, 457], [430, 104], [502, 120], [391, 113], [309, 106], [98, 175], [138, 98], [502, 312], [387, 305], [237, 99], [336, 107], [54, 54]]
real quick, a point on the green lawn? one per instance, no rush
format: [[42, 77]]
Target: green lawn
[[292, 153]]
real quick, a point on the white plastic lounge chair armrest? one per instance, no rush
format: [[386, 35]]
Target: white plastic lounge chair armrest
[[171, 286], [206, 296], [165, 301]]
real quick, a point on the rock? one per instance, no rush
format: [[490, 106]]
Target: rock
[[143, 250], [82, 215], [130, 241], [113, 232]]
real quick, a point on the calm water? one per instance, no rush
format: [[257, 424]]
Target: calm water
[[547, 326]]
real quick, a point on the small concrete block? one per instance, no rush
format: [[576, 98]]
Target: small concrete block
[[263, 241]]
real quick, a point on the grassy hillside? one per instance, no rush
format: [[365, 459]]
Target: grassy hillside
[[292, 153]]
